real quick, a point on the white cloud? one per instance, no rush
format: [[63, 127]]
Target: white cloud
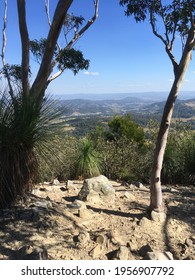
[[91, 73], [187, 81], [170, 80]]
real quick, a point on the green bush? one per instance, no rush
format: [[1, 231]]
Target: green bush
[[179, 160], [124, 153]]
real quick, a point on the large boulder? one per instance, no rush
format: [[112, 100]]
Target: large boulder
[[97, 189]]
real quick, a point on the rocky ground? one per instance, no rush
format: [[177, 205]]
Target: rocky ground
[[50, 224]]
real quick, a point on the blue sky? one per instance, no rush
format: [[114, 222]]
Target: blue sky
[[125, 57]]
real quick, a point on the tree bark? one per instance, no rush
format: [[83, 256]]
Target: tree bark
[[156, 199], [39, 85], [21, 4], [4, 41]]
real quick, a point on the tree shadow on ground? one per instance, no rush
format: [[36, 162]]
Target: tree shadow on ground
[[181, 207], [120, 213], [20, 224]]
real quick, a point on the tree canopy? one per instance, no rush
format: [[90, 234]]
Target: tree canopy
[[123, 126], [167, 19]]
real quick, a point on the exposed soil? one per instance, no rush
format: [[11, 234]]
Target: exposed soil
[[49, 221]]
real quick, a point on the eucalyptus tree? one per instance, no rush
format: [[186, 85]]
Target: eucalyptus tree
[[168, 20], [24, 112]]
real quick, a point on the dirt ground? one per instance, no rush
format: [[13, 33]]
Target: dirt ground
[[49, 220]]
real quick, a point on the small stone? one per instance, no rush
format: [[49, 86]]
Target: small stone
[[96, 251], [145, 222], [69, 184], [79, 204], [55, 182], [174, 190], [192, 238], [124, 184], [83, 237], [132, 186], [158, 217], [129, 196], [42, 203], [84, 213], [100, 239], [76, 206], [189, 242], [123, 253], [159, 256], [117, 239]]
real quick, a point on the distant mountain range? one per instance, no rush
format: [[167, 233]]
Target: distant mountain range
[[182, 109], [146, 96], [83, 107]]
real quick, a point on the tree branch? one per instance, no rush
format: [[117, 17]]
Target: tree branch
[[4, 39], [89, 23], [48, 18], [168, 48], [54, 76], [75, 39], [40, 82], [21, 4], [190, 44]]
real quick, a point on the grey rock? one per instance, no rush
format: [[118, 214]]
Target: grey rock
[[122, 253], [158, 217], [97, 189]]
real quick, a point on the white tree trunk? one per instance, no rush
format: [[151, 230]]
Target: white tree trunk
[[156, 199]]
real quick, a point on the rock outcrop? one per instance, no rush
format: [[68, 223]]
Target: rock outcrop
[[97, 189]]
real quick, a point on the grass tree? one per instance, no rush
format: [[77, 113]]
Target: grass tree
[[88, 162], [24, 110], [167, 19]]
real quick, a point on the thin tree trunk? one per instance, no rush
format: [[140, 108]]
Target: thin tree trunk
[[40, 83], [25, 45], [156, 199], [4, 41]]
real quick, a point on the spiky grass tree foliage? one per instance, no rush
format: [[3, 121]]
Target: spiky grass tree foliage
[[24, 131], [88, 163]]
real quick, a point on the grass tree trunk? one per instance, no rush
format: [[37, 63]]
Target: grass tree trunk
[[156, 199]]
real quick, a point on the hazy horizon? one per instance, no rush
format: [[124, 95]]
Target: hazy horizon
[[154, 95]]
